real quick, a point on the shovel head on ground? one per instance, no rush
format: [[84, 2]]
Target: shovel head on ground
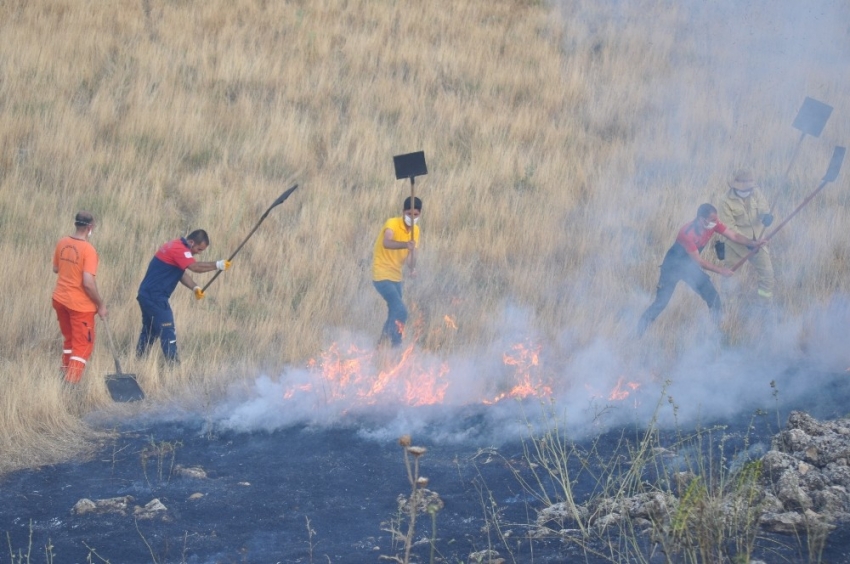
[[124, 387], [812, 117]]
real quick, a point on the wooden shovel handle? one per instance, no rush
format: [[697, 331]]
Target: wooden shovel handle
[[112, 346]]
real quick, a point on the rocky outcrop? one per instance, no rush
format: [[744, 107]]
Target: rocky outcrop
[[806, 475], [800, 486]]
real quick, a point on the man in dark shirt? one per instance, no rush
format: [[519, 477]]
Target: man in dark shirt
[[166, 269], [683, 263]]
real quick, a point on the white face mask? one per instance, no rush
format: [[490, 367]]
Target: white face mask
[[408, 221], [710, 224], [744, 193]]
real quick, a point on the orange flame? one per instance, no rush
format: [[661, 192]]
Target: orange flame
[[408, 376], [353, 374], [619, 393], [526, 363]]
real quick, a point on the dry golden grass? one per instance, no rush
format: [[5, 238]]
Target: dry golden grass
[[565, 146]]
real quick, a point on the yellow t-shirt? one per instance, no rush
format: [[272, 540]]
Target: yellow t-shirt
[[72, 257], [387, 263]]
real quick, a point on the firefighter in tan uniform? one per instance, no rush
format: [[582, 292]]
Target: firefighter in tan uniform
[[744, 210]]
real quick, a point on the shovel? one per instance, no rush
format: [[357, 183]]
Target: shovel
[[830, 176], [410, 166], [122, 387], [280, 199], [810, 120]]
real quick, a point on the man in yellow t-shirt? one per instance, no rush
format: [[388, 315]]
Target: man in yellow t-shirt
[[395, 248], [76, 298]]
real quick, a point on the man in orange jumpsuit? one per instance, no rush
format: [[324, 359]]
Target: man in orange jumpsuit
[[76, 298]]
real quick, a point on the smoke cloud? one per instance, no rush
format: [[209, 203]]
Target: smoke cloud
[[738, 74]]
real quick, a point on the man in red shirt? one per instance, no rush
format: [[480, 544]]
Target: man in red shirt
[[76, 298], [166, 269], [683, 263]]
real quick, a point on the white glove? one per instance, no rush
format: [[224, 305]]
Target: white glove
[[222, 264]]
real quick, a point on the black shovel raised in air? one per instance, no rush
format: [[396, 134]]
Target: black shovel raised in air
[[122, 387], [280, 199], [810, 120]]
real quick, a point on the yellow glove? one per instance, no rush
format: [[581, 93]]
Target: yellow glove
[[199, 294], [222, 264]]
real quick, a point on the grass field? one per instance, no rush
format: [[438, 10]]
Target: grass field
[[565, 145]]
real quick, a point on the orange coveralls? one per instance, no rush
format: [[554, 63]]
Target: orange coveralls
[[74, 309]]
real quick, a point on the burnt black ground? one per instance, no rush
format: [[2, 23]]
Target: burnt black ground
[[262, 487]]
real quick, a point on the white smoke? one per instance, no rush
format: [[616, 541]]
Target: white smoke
[[753, 63]]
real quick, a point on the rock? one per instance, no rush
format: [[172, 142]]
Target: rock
[[811, 454], [775, 463], [118, 505], [84, 506], [837, 474], [770, 504], [792, 440], [195, 472], [807, 472], [649, 506], [831, 501], [485, 557], [559, 513], [154, 508], [789, 492], [787, 523], [805, 422]]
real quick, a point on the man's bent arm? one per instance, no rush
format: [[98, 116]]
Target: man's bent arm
[[201, 267], [705, 265], [187, 280], [742, 240], [390, 243]]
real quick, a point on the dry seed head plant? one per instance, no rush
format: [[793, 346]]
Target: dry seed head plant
[[566, 143]]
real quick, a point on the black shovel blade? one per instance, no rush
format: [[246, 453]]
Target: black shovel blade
[[835, 164], [124, 387], [282, 198], [812, 117], [410, 165]]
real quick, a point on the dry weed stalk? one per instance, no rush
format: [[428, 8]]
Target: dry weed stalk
[[420, 500]]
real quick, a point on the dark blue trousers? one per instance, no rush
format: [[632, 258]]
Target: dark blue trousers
[[677, 267], [157, 323]]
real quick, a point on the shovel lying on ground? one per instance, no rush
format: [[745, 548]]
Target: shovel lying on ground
[[830, 176], [122, 387]]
